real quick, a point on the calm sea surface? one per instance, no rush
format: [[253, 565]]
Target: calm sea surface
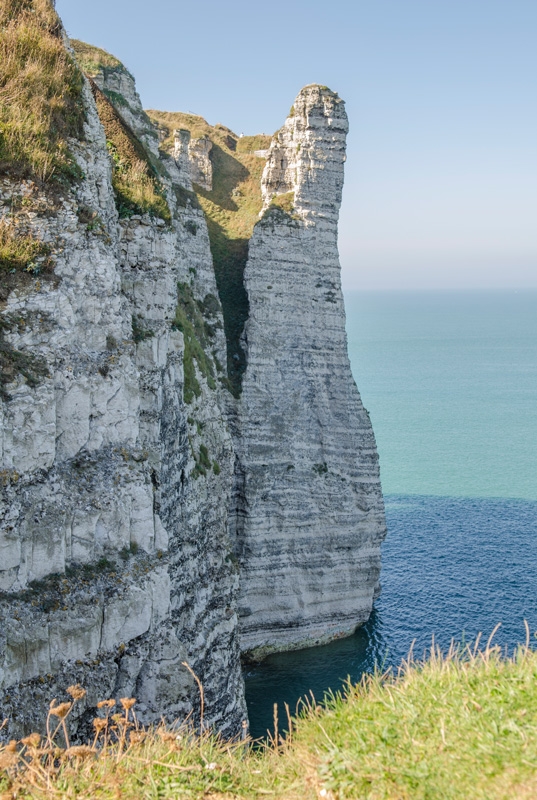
[[450, 381]]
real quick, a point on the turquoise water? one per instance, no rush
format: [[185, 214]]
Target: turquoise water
[[450, 381]]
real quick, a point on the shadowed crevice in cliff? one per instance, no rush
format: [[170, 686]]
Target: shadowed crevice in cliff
[[229, 250], [231, 208], [229, 257]]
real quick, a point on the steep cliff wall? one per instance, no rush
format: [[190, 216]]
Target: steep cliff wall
[[177, 410], [308, 515], [115, 561]]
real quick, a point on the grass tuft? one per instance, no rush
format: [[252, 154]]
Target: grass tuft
[[285, 202], [457, 726], [41, 103]]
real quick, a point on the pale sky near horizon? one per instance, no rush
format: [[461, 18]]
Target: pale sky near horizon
[[441, 174]]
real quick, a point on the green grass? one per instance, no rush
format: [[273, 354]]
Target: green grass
[[19, 250], [197, 333], [231, 209], [40, 95], [285, 202], [93, 60], [135, 179], [452, 728]]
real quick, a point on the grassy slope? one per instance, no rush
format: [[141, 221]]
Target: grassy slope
[[231, 210], [135, 177], [451, 728], [93, 60], [136, 183], [40, 94], [41, 108]]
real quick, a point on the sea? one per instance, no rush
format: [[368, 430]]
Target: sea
[[450, 381]]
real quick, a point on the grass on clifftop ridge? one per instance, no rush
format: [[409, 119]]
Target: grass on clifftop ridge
[[40, 94], [135, 180], [231, 209], [93, 60], [452, 728]]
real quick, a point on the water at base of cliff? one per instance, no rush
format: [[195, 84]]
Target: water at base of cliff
[[450, 381], [452, 567]]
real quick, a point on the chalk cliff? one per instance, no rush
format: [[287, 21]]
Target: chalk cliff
[[143, 485], [308, 517], [115, 562]]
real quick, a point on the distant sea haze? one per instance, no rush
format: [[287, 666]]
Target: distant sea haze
[[450, 381]]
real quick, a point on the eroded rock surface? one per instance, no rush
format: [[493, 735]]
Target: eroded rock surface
[[105, 503], [308, 515], [135, 490]]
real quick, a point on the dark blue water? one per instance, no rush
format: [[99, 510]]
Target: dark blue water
[[450, 381]]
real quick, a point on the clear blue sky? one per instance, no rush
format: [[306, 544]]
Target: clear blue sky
[[441, 179]]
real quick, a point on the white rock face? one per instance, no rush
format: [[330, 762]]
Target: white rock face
[[100, 499], [308, 514], [125, 512], [192, 158]]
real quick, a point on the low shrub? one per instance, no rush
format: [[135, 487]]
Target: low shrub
[[189, 320]]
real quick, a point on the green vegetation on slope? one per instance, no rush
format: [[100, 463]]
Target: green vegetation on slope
[[40, 94], [231, 210], [92, 60], [189, 320], [449, 729], [15, 362], [135, 180]]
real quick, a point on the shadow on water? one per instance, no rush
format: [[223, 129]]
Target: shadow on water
[[452, 567], [287, 677]]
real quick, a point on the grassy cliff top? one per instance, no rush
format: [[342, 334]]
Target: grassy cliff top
[[40, 94], [450, 728], [93, 59], [235, 200]]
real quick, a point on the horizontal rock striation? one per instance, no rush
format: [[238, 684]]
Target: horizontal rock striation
[[308, 514], [144, 500], [115, 559]]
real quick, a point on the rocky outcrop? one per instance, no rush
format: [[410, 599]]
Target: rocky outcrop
[[192, 158], [308, 518], [115, 559]]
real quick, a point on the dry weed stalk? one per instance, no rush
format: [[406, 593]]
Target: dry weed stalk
[[200, 689]]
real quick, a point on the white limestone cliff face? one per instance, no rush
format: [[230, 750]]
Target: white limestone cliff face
[[101, 501], [308, 514], [192, 158], [127, 515]]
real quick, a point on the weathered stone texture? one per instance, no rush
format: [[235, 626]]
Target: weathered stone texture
[[308, 513], [98, 468], [116, 561], [192, 158]]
